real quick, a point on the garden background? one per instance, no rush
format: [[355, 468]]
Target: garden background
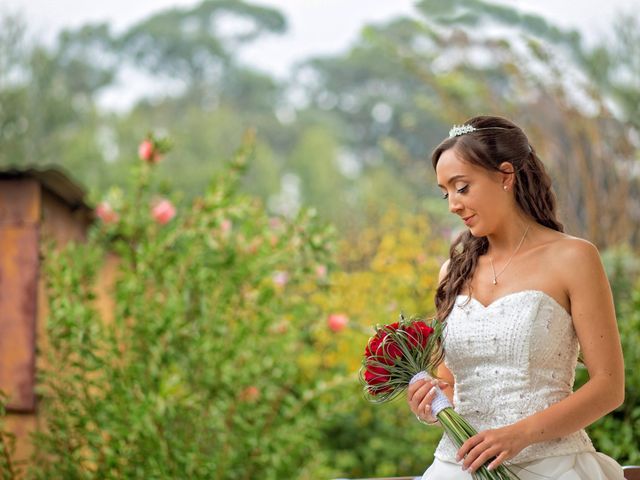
[[281, 219]]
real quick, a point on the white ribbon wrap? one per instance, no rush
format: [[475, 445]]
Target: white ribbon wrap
[[440, 401]]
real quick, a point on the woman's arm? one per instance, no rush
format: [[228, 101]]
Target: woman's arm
[[594, 320], [580, 268]]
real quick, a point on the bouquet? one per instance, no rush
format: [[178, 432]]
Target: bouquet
[[403, 352]]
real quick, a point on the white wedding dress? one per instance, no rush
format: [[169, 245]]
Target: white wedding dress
[[511, 359]]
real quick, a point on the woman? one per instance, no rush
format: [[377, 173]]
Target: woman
[[519, 298]]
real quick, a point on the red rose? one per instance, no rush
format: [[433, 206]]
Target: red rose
[[419, 332], [426, 332], [373, 346], [384, 351], [375, 376], [391, 350]]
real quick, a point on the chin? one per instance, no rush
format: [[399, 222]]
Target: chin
[[477, 231]]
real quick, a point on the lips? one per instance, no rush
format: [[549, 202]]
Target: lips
[[468, 219]]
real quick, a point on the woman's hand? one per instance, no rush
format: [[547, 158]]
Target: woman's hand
[[499, 444], [420, 394]]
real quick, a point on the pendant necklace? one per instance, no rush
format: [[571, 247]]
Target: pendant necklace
[[495, 277]]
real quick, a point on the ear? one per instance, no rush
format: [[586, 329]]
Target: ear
[[507, 177]]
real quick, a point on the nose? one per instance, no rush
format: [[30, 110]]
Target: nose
[[454, 205]]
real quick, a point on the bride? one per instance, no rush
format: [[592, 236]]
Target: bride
[[519, 298]]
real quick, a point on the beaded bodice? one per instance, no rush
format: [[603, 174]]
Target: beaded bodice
[[511, 359]]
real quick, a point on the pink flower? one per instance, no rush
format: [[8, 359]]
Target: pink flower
[[225, 226], [250, 394], [321, 271], [275, 223], [146, 151], [106, 213], [337, 321], [280, 278], [163, 211]]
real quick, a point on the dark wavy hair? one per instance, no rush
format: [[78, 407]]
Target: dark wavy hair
[[500, 141]]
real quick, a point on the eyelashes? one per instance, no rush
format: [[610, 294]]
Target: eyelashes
[[460, 190]]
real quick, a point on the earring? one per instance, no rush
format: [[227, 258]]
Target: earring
[[505, 187]]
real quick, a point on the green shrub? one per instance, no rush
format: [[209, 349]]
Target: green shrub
[[9, 470], [196, 373]]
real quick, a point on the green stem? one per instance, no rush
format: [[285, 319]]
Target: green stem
[[459, 430]]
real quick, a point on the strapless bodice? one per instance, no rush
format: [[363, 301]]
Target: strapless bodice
[[511, 359]]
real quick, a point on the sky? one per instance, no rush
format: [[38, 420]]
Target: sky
[[315, 26]]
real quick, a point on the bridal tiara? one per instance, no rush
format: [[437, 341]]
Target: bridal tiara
[[461, 130], [457, 130]]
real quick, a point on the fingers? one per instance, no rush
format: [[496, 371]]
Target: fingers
[[418, 398], [478, 457], [413, 388], [468, 446], [423, 410], [418, 390], [428, 398], [420, 394], [498, 461]]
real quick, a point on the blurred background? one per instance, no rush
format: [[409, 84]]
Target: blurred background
[[347, 99]]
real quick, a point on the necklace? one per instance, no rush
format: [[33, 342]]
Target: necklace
[[495, 277]]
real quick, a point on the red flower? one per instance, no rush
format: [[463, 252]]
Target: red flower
[[337, 321], [419, 332], [145, 150], [375, 376], [250, 394], [373, 346], [384, 351], [392, 350]]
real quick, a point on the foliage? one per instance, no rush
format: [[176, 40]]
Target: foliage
[[435, 70], [353, 139], [194, 371], [8, 468], [388, 269]]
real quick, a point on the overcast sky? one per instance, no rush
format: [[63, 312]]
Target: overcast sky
[[315, 26]]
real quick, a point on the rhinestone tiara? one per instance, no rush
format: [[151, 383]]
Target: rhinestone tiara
[[461, 130], [457, 130]]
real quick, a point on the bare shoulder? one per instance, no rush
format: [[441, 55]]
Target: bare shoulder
[[575, 251], [578, 263]]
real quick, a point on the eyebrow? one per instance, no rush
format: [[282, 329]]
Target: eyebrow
[[453, 179]]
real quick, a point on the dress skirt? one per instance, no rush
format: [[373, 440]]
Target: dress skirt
[[576, 466]]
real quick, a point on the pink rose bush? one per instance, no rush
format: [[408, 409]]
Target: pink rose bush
[[163, 211]]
